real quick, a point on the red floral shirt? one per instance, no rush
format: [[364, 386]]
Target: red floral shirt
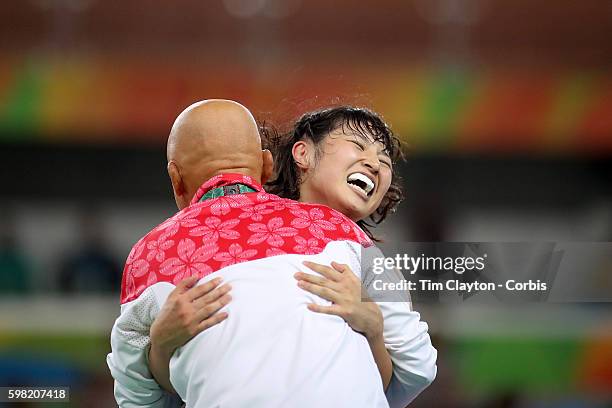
[[218, 232]]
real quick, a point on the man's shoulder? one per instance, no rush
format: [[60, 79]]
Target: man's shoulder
[[216, 233], [236, 205], [329, 219], [328, 210]]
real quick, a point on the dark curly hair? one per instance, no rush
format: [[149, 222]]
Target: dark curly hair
[[315, 126]]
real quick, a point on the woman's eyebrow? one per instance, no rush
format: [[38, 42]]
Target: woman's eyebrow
[[369, 139]]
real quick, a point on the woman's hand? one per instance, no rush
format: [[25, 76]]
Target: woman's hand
[[188, 311], [343, 288]]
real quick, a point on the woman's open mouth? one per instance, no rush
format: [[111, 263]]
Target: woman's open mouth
[[360, 183]]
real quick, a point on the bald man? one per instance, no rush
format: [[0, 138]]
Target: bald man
[[270, 351]]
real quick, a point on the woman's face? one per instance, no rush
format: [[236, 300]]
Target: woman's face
[[351, 174]]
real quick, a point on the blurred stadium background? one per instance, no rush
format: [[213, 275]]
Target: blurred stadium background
[[505, 106]]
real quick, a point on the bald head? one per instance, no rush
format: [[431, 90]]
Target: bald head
[[212, 137]]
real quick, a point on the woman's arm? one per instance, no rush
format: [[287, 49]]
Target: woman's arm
[[159, 364], [382, 359], [405, 334], [342, 287], [188, 311]]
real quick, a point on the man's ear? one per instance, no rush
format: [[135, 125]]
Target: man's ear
[[178, 186], [302, 152], [267, 167]]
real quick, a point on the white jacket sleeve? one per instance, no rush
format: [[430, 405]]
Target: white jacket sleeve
[[128, 360], [405, 335], [411, 351]]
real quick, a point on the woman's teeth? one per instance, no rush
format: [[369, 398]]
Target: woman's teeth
[[361, 181]]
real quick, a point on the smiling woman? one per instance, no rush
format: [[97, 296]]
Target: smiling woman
[[342, 156]]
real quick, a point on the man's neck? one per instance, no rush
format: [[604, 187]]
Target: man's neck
[[237, 170]]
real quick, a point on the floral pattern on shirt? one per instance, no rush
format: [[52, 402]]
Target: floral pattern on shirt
[[223, 231]]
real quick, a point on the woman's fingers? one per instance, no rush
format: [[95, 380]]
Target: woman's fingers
[[211, 308], [212, 295], [317, 280], [324, 270], [331, 310], [322, 291], [201, 290], [340, 267], [185, 284], [345, 271], [213, 320], [343, 288]]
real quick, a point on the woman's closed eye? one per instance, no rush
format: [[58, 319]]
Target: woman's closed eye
[[384, 159], [358, 144]]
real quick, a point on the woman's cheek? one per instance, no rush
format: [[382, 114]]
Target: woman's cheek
[[386, 181]]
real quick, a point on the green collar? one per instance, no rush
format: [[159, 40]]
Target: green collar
[[227, 190]]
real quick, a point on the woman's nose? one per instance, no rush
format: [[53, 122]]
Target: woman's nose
[[372, 163]]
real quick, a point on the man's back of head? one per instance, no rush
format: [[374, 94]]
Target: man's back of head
[[211, 137]]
